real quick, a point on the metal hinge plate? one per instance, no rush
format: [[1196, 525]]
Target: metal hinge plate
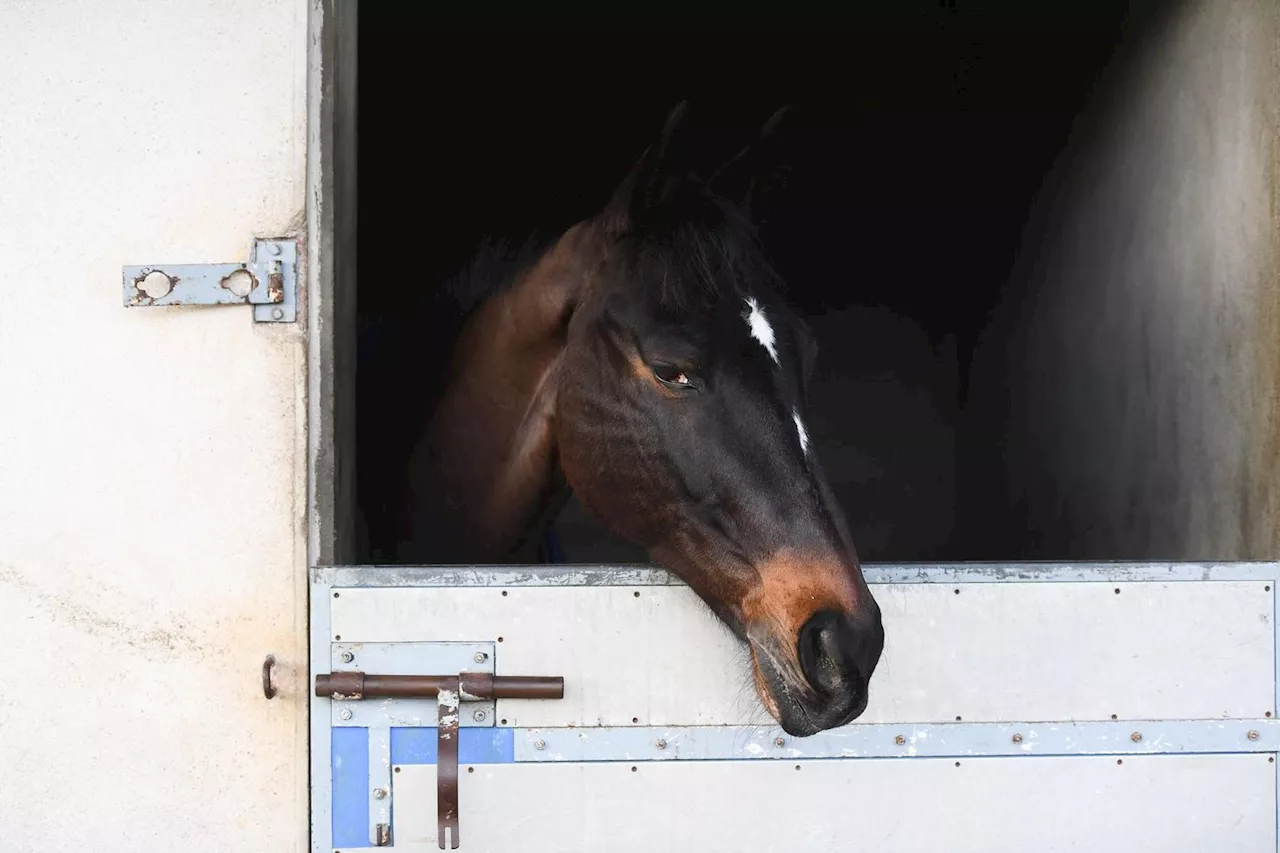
[[268, 282]]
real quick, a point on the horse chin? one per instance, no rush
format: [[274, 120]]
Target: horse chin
[[777, 693]]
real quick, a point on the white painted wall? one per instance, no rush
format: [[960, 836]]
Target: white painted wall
[[152, 461], [1135, 383]]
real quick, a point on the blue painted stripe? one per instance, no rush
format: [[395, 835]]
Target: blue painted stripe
[[350, 758], [417, 745]]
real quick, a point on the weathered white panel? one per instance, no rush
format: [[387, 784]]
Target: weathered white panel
[[1131, 378], [1162, 804], [150, 548], [993, 652]]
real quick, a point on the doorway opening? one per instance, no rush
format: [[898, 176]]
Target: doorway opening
[[924, 137]]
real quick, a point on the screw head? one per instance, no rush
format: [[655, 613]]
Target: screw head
[[1135, 737], [277, 314], [348, 657], [1253, 735], [899, 740], [478, 715], [379, 793], [660, 743], [539, 744], [779, 742], [480, 657], [345, 714], [1017, 738]]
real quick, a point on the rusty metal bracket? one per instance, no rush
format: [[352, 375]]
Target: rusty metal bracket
[[447, 764], [449, 691], [268, 282], [268, 689]]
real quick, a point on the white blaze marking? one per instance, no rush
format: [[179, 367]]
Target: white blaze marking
[[803, 433], [760, 328]]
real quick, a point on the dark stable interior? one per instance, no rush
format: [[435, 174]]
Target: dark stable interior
[[924, 135]]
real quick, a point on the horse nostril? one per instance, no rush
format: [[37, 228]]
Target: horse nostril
[[821, 658], [836, 649]]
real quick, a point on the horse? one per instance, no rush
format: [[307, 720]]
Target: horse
[[647, 362]]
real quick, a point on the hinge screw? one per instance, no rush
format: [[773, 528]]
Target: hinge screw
[[277, 314], [1135, 737], [379, 793], [539, 744], [345, 713], [480, 657], [779, 742], [348, 657], [899, 740], [478, 715], [660, 743], [1253, 735], [1017, 738]]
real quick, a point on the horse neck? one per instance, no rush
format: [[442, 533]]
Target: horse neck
[[484, 475]]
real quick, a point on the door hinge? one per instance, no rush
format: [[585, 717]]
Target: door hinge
[[268, 282]]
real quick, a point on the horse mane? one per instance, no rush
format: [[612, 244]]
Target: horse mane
[[698, 249], [496, 263]]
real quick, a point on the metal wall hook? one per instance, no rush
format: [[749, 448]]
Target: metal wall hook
[[268, 689]]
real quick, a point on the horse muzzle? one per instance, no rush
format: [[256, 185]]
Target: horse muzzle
[[821, 678]]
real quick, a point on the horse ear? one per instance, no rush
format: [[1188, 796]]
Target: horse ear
[[761, 170], [663, 165]]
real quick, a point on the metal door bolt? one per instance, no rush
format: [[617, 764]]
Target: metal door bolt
[[1253, 735], [480, 657], [277, 313], [1017, 738], [1135, 737], [899, 740], [348, 657], [379, 793], [780, 742], [478, 715], [660, 743], [539, 744], [345, 714]]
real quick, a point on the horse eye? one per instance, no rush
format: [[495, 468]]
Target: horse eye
[[669, 374]]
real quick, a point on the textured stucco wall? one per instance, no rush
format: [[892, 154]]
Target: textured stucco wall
[[152, 461], [1128, 390]]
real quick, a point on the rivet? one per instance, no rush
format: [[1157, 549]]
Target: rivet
[[348, 657], [1253, 735], [379, 793], [480, 657], [478, 715], [660, 743], [273, 248], [277, 314], [1135, 737], [779, 742], [345, 714], [1017, 738], [899, 740], [539, 744]]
